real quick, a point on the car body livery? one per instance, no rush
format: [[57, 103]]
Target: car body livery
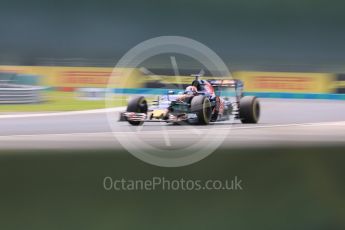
[[202, 102]]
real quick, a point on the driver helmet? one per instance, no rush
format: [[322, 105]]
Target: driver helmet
[[192, 90]]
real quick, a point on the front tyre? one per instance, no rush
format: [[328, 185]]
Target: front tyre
[[201, 106], [249, 110], [137, 105]]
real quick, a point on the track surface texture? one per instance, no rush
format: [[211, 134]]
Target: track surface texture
[[283, 122]]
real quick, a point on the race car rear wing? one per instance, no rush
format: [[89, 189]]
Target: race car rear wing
[[234, 83], [222, 87]]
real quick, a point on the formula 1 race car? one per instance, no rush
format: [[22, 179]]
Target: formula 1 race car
[[202, 102]]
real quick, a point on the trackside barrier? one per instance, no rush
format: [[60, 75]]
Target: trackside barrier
[[262, 84], [78, 77], [17, 94], [286, 82], [323, 96]]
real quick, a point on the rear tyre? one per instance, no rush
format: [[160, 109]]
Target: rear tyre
[[137, 105], [249, 110], [201, 106]]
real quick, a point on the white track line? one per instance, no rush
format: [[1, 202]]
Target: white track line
[[94, 111], [340, 123]]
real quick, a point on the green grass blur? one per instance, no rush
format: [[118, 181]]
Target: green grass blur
[[56, 101], [283, 189]]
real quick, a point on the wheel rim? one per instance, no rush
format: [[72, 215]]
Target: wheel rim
[[142, 106], [207, 110]]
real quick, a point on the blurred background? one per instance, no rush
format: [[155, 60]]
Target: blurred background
[[301, 36], [58, 55], [265, 35]]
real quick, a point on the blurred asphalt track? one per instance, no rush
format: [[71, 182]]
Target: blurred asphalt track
[[283, 123]]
